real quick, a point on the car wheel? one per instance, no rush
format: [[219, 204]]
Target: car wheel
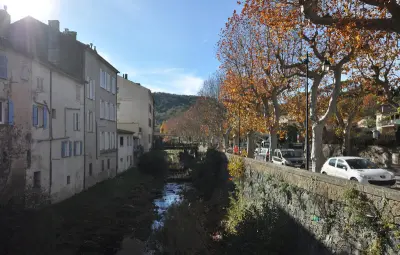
[[353, 179], [324, 173]]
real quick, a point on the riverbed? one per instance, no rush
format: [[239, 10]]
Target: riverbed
[[171, 194]]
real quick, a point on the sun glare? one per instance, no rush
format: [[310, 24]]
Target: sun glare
[[39, 9]]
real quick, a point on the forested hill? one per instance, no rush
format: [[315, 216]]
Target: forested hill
[[169, 105]]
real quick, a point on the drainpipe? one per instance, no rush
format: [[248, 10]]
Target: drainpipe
[[84, 134], [51, 131], [84, 119]]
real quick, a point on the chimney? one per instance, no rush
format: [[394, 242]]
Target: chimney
[[5, 21], [126, 76], [54, 24], [91, 45], [94, 48], [53, 43]]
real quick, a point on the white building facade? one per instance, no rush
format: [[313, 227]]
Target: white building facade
[[136, 111]]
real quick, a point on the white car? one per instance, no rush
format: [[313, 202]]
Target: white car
[[358, 169]]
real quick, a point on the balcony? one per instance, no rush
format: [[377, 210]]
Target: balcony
[[392, 120]]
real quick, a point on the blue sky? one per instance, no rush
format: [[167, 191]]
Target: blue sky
[[166, 45]]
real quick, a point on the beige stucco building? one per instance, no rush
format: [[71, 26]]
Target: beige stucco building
[[125, 150], [44, 108], [136, 111], [101, 118], [49, 106]]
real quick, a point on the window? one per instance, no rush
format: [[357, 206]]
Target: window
[[113, 140], [76, 122], [102, 165], [78, 92], [131, 160], [108, 82], [113, 85], [121, 159], [149, 108], [39, 84], [113, 112], [149, 138], [101, 140], [3, 67], [108, 164], [78, 148], [107, 111], [102, 78], [90, 169], [101, 109], [66, 149], [149, 122], [90, 121], [2, 113], [68, 179], [121, 141], [332, 162], [107, 141], [53, 113], [340, 164], [36, 179], [39, 116], [127, 159], [90, 87]]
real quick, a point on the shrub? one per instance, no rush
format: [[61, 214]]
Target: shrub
[[210, 173], [184, 231], [154, 162], [236, 167]]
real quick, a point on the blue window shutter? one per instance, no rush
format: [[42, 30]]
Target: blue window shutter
[[81, 145], [70, 149], [10, 112], [35, 116], [63, 149], [45, 117], [3, 67]]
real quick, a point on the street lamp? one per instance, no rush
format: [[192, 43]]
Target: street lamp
[[306, 61], [326, 66]]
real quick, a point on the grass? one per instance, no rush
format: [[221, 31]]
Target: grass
[[92, 222]]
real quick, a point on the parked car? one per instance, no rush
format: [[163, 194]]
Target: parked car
[[358, 169], [289, 157], [264, 153]]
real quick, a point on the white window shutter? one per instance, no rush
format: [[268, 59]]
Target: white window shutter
[[101, 109], [78, 119], [101, 78], [93, 90], [87, 85]]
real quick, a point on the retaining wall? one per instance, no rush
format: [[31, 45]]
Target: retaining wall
[[347, 217]]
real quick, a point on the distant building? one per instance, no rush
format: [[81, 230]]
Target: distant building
[[136, 111], [387, 120], [125, 150]]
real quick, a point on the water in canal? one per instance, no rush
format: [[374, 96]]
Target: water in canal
[[171, 194]]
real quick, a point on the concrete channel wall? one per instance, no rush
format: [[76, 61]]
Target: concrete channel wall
[[347, 217]]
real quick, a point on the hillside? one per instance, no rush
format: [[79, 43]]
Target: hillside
[[169, 105]]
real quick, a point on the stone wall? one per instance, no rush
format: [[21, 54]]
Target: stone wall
[[347, 217]]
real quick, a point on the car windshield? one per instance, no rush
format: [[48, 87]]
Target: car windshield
[[361, 164], [288, 154]]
